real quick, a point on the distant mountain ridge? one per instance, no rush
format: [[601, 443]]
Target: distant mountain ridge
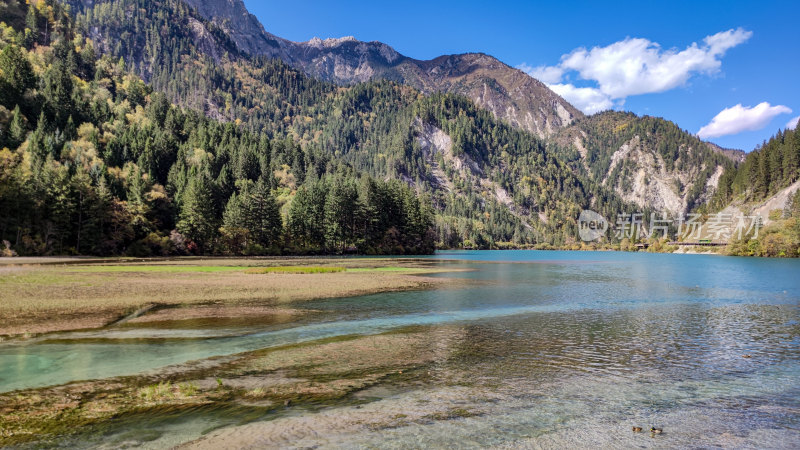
[[508, 93], [617, 156], [735, 155]]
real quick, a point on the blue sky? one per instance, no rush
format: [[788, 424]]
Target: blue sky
[[654, 58]]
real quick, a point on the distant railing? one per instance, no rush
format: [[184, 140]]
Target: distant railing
[[700, 243]]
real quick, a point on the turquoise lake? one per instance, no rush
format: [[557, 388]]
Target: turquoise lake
[[567, 349]]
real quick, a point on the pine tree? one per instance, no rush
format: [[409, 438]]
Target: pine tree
[[81, 185], [99, 211], [299, 214], [62, 208], [138, 204], [16, 129], [306, 224], [791, 156], [87, 62], [31, 26], [264, 216], [197, 217], [57, 92], [235, 214], [234, 224], [343, 214], [16, 76], [70, 133]]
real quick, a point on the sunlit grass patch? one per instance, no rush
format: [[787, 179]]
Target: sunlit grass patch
[[157, 392], [295, 269], [390, 269], [328, 269], [165, 391], [154, 268], [187, 389]]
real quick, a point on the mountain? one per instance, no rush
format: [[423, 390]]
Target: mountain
[[735, 155], [515, 189], [646, 160], [665, 168], [508, 93], [492, 182], [95, 162], [243, 27]]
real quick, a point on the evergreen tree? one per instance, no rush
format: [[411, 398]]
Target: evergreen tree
[[234, 232], [16, 129], [306, 224], [31, 26], [197, 216], [84, 194], [57, 93], [263, 215], [791, 157], [16, 76], [343, 215]]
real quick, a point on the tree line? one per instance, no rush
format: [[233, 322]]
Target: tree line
[[772, 166], [94, 161]]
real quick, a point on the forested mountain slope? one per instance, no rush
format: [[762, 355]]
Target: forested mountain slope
[[491, 183], [373, 126], [767, 183], [646, 160], [93, 161], [773, 166]]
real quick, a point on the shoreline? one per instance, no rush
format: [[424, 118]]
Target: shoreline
[[55, 260], [37, 299]]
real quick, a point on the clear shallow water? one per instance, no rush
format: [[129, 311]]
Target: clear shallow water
[[572, 347]]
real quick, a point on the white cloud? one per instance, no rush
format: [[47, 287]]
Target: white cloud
[[636, 66], [588, 100], [545, 74], [792, 124], [737, 119], [720, 43]]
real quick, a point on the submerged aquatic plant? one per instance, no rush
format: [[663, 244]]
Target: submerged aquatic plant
[[187, 389], [157, 392], [258, 392]]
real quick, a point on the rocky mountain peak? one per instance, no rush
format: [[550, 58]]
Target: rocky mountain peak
[[244, 28], [508, 93], [329, 42]]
